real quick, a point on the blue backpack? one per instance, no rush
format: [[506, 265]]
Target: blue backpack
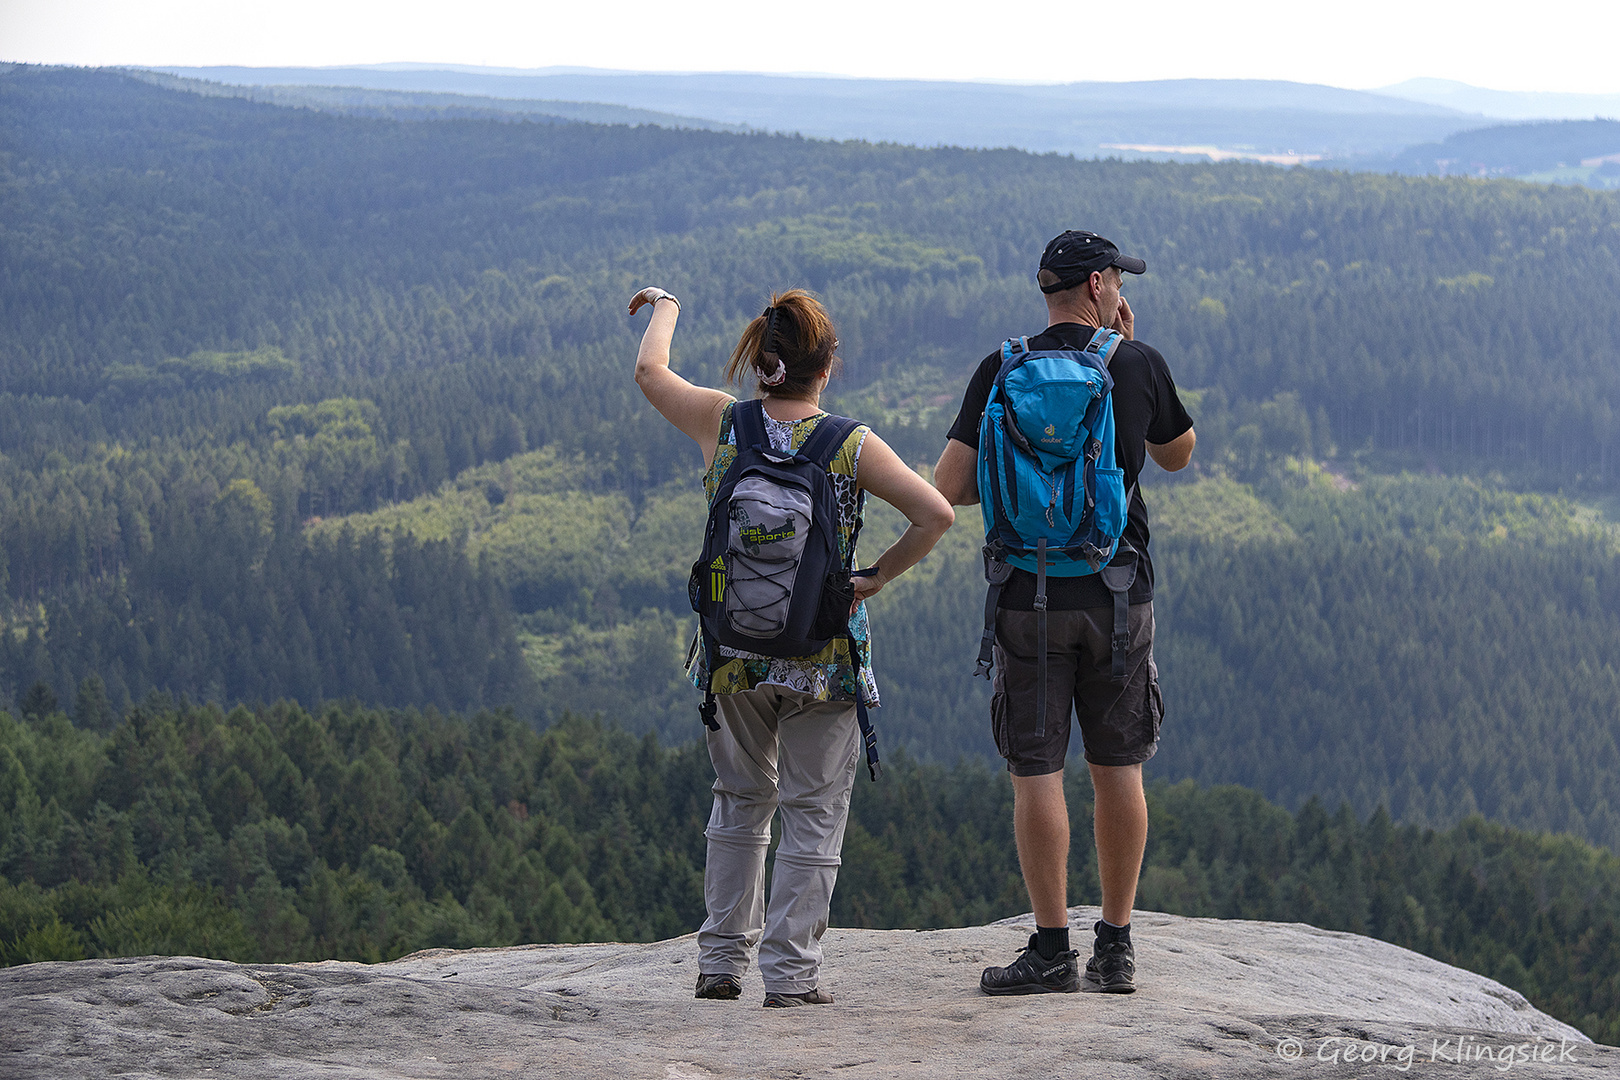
[[1053, 496]]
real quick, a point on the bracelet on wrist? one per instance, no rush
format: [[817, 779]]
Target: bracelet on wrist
[[670, 297]]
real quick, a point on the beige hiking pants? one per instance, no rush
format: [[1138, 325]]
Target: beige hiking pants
[[776, 748]]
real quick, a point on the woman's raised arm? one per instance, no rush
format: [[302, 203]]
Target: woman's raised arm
[[694, 410]]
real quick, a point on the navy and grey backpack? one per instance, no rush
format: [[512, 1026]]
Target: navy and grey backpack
[[771, 579], [1053, 496]]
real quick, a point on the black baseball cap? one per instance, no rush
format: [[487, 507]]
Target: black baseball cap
[[1075, 256]]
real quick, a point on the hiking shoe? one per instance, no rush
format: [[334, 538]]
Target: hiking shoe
[[1112, 967], [1033, 973], [719, 987], [777, 1000]]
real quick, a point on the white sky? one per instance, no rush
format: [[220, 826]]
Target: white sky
[[1559, 45]]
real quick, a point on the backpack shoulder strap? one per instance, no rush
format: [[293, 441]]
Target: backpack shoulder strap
[[1013, 352], [748, 421], [821, 447], [828, 438], [1103, 343]]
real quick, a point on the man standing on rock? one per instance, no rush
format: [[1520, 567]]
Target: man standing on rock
[[1081, 277]]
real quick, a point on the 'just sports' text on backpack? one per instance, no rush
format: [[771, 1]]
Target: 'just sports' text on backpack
[[771, 579], [1053, 496]]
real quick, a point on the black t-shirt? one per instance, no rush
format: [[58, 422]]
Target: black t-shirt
[[1146, 409]]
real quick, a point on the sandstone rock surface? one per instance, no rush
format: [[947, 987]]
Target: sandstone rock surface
[[1217, 999]]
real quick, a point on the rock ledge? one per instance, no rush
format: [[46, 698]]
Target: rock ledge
[[1217, 998]]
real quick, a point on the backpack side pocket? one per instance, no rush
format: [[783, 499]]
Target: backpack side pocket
[[837, 597], [1111, 508]]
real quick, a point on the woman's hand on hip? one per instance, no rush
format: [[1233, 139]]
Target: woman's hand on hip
[[867, 586]]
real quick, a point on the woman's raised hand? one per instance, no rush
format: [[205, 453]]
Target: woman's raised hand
[[650, 295]]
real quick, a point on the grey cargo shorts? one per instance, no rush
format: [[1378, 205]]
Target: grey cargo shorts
[[1119, 725]]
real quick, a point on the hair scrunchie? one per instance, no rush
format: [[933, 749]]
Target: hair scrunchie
[[776, 377]]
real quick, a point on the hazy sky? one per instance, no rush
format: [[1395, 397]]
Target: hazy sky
[[1566, 45]]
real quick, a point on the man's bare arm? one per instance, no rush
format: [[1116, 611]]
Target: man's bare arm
[[1174, 455], [957, 474]]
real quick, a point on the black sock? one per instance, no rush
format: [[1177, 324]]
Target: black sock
[[1050, 942], [1107, 931]]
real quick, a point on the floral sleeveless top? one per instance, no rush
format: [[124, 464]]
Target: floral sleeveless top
[[829, 675]]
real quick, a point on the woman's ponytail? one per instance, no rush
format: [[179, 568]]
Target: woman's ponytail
[[789, 346]]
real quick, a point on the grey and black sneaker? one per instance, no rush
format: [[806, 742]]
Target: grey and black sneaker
[[1033, 973], [719, 987], [1112, 967], [776, 1000]]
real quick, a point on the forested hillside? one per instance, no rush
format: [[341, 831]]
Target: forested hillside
[[332, 94], [1436, 647], [276, 834], [483, 257], [229, 330], [1566, 151]]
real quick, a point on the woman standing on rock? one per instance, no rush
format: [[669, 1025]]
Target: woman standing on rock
[[787, 734]]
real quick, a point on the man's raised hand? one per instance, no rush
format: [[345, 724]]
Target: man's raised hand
[[1125, 320]]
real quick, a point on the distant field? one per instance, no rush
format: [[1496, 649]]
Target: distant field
[[1215, 153]]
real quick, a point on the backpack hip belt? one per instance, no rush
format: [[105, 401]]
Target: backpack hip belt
[[1117, 577]]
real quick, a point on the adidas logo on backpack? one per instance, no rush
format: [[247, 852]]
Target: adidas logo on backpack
[[770, 579]]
